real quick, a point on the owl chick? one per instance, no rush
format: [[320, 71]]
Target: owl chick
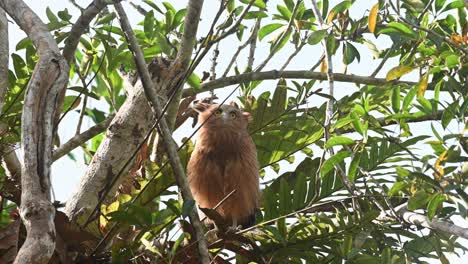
[[225, 159]]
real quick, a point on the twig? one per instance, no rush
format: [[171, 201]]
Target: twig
[[253, 44], [382, 63], [79, 139], [281, 39], [250, 40], [183, 56], [294, 54], [317, 63]]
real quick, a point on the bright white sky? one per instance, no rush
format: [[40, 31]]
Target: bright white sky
[[66, 173]]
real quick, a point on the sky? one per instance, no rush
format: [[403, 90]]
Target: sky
[[66, 173]]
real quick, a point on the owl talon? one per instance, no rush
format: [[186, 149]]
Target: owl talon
[[233, 229]]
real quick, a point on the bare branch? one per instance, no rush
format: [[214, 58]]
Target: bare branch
[[184, 55], [166, 132], [3, 57], [294, 54], [190, 32], [40, 104], [253, 44], [423, 221], [251, 40], [79, 139], [273, 75]]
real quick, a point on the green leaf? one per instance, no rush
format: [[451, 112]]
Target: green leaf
[[341, 7], [434, 203], [351, 53], [453, 5], [255, 15], [284, 38], [452, 61], [64, 15], [333, 161], [19, 65], [357, 123], [396, 98], [300, 191], [148, 25], [51, 16], [316, 36], [409, 98], [268, 29], [270, 204], [418, 200], [285, 13], [258, 3], [284, 198], [426, 104], [439, 4], [338, 140], [153, 5], [194, 81], [400, 27], [106, 19], [353, 167], [447, 116], [396, 188], [187, 207]]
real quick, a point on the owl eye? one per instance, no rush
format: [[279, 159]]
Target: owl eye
[[233, 115], [218, 112]]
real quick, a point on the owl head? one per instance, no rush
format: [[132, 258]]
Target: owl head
[[222, 116]]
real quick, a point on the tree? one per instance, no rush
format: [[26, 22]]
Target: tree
[[375, 173]]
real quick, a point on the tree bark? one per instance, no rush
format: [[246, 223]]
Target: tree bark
[[49, 78]]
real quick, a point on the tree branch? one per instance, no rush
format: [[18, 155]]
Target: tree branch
[[171, 148], [79, 139], [184, 55], [273, 75], [423, 221], [48, 80]]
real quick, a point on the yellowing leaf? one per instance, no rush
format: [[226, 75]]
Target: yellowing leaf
[[323, 66], [331, 15], [372, 19], [397, 72], [439, 169], [422, 85]]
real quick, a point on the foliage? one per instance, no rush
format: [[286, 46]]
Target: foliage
[[376, 142]]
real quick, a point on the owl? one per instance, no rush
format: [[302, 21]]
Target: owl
[[225, 159]]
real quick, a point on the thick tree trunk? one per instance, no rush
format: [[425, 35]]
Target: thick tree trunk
[[49, 78], [126, 131]]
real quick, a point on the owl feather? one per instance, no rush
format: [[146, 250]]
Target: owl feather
[[225, 159]]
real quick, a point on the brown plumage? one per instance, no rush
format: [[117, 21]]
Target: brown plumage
[[225, 159]]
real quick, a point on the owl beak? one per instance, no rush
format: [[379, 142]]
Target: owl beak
[[225, 118]]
